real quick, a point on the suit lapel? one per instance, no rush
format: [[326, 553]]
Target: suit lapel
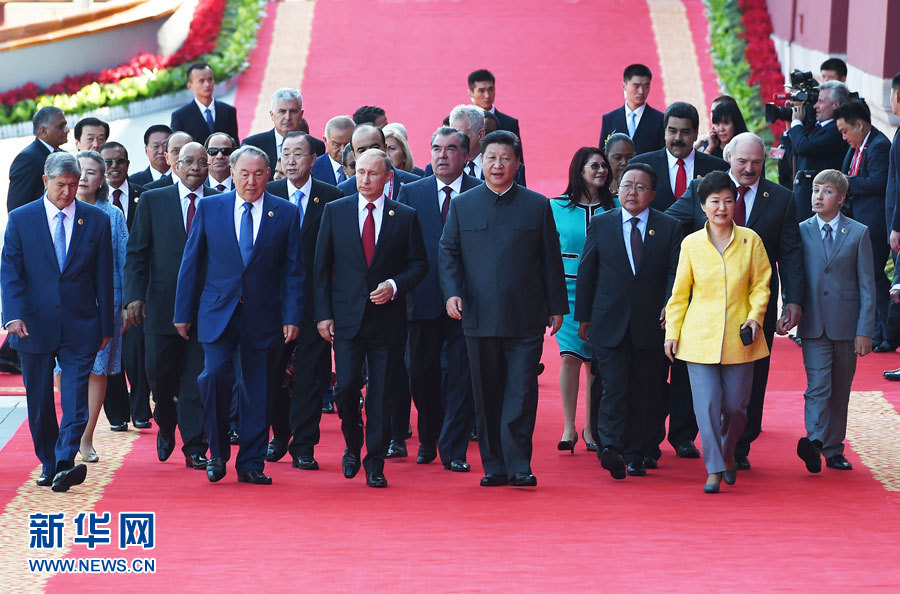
[[313, 211], [840, 236], [760, 202], [430, 208], [618, 240], [77, 233], [811, 229], [173, 205], [270, 211], [649, 241], [387, 227]]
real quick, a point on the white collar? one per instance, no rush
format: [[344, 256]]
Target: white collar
[[183, 190], [305, 188], [833, 223], [52, 210], [362, 202], [50, 148], [239, 202], [639, 111], [455, 185], [203, 108], [737, 184], [673, 160], [213, 182], [643, 216]]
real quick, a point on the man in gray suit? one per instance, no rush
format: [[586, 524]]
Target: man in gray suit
[[838, 318]]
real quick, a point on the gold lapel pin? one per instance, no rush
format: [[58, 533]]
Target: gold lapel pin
[[316, 199], [271, 214], [765, 194], [390, 213], [81, 221], [699, 176], [651, 232]]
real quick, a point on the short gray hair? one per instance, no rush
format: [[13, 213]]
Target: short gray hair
[[61, 164], [742, 137], [44, 116], [385, 160], [252, 150], [341, 123], [474, 114], [287, 94], [103, 190], [839, 91]]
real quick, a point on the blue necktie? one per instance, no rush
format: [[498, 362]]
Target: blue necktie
[[341, 176], [245, 241], [209, 120], [631, 124], [298, 200], [59, 240]]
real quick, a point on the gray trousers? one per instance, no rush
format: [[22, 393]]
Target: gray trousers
[[721, 394], [830, 366]]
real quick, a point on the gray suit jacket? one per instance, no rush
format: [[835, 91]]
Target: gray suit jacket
[[840, 296]]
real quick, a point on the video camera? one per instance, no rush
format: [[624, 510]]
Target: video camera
[[806, 91]]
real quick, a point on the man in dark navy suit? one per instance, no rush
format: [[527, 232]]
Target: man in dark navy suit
[[155, 139], [204, 115], [219, 147], [242, 272], [370, 136], [297, 409], [174, 144], [328, 167], [483, 91], [636, 118], [444, 401], [678, 163], [361, 285], [57, 284], [25, 182]]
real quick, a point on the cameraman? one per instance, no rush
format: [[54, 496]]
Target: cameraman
[[817, 147]]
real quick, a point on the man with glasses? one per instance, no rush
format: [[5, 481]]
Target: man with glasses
[[219, 147], [174, 144]]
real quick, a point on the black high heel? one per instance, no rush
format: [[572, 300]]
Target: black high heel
[[591, 447], [566, 444]]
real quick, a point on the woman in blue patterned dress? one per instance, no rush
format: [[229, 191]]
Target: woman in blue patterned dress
[[587, 194]]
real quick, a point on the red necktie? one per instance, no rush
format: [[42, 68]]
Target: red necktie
[[192, 209], [445, 206], [740, 207], [221, 187], [680, 180], [117, 202], [368, 234], [854, 164]]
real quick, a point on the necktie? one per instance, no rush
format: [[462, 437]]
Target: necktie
[[341, 176], [828, 241], [59, 240], [854, 164], [117, 199], [191, 211], [220, 187], [680, 180], [368, 234], [445, 205], [632, 118], [740, 207], [637, 242], [471, 167], [245, 241], [209, 120], [298, 200]]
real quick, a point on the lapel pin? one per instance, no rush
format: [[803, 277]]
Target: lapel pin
[[81, 221], [316, 199], [390, 213], [271, 214], [699, 176], [651, 232], [136, 198], [844, 230], [765, 194]]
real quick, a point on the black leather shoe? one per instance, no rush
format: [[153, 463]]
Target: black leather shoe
[[254, 477], [493, 480], [397, 449], [350, 464], [458, 466], [45, 480], [741, 462], [540, 368], [838, 462], [275, 451], [233, 437], [164, 448], [523, 479], [892, 375], [305, 463], [687, 450], [9, 366], [69, 478], [197, 461], [142, 424], [650, 463], [612, 461], [119, 427], [637, 469], [425, 456], [885, 347], [328, 408], [215, 469], [376, 479], [811, 453]]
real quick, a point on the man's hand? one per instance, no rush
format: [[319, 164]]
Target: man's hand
[[454, 308], [863, 345], [555, 323], [103, 342], [797, 112], [792, 314], [671, 349], [126, 323], [662, 318], [183, 329], [895, 295], [291, 332], [583, 329], [18, 328], [382, 293], [136, 311], [326, 329], [895, 241]]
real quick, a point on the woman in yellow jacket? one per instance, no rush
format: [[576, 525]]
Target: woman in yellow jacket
[[721, 288]]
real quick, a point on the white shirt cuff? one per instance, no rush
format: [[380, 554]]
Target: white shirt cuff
[[5, 326], [796, 123], [393, 286]]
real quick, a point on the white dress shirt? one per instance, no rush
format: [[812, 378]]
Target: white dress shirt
[[49, 148], [833, 223], [643, 217], [305, 188], [124, 198], [478, 168], [68, 221], [155, 174], [227, 182], [255, 214], [638, 113], [335, 166], [279, 139], [749, 197], [211, 107], [455, 187], [688, 169], [183, 192], [377, 215]]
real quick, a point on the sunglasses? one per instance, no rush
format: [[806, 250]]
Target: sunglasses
[[213, 151], [111, 162], [594, 165]]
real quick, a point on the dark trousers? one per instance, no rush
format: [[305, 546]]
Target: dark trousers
[[401, 400], [505, 387], [444, 401], [883, 331], [680, 407], [134, 359], [173, 365], [381, 361], [56, 443], [757, 398], [115, 402], [632, 399], [216, 385]]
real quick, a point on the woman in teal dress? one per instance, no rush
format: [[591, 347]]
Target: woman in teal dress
[[587, 194]]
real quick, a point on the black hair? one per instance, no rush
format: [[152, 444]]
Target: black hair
[[154, 129], [367, 114], [234, 143], [646, 169], [480, 76], [578, 187], [90, 122], [730, 112], [895, 82], [837, 65], [715, 181], [636, 70], [503, 137], [113, 145], [682, 110], [614, 138], [853, 111]]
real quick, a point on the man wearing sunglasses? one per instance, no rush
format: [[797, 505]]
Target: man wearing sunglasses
[[219, 147]]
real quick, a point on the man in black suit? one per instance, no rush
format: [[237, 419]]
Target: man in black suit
[[174, 144], [483, 91], [91, 134], [204, 115], [636, 118], [119, 404], [892, 193], [25, 174], [818, 147], [360, 303], [297, 409], [155, 139], [444, 401], [370, 136], [769, 210], [219, 147], [866, 165], [328, 167], [155, 248], [625, 277], [502, 274], [678, 163]]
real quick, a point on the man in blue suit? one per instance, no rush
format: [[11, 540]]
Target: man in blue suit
[[369, 136], [56, 278], [328, 168], [243, 263], [443, 426]]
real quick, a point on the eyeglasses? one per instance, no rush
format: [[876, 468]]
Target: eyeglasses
[[215, 150], [639, 188], [292, 156], [192, 162], [111, 162], [594, 165]]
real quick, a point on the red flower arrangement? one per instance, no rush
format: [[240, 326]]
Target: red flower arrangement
[[204, 29], [760, 53]]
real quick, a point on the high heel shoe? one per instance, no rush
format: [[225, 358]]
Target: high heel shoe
[[730, 475], [591, 447], [566, 444], [89, 456], [713, 487]]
